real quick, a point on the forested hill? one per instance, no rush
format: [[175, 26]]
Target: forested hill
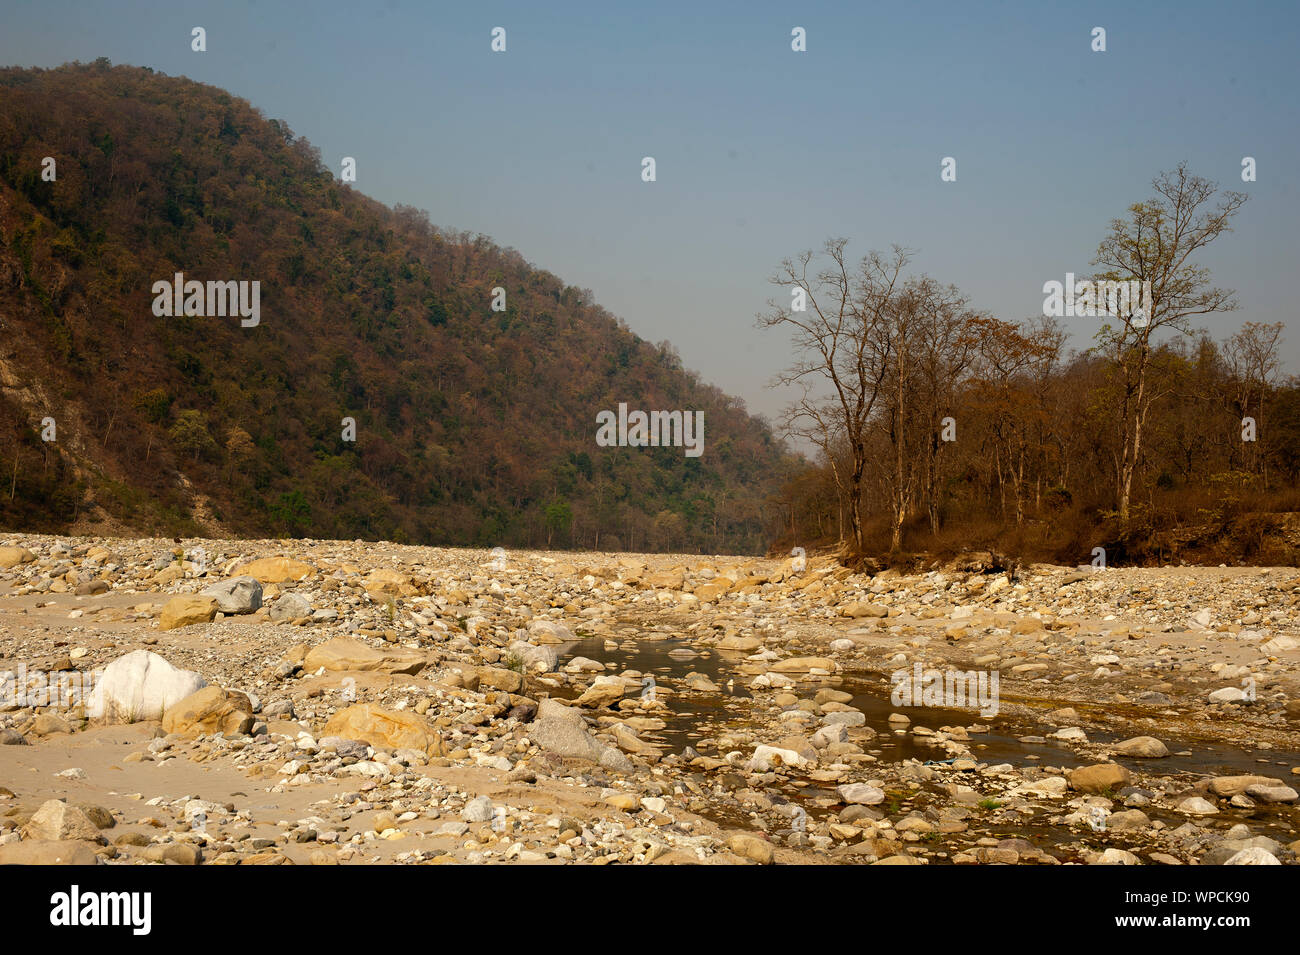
[[473, 426]]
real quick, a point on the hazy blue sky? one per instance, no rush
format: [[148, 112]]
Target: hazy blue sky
[[761, 151]]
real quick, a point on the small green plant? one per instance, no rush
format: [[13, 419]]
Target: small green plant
[[390, 610], [989, 804], [514, 661]]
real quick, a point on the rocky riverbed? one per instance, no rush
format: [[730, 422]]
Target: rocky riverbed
[[331, 702]]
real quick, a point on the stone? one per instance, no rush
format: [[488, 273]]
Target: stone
[[140, 686], [343, 654], [238, 595], [1198, 806], [1253, 856], [57, 821], [13, 556], [561, 730], [752, 848], [47, 852], [274, 570], [289, 607], [1232, 785], [380, 727], [605, 691], [1142, 747], [478, 809], [185, 611], [210, 710], [1098, 778], [390, 583], [860, 794]]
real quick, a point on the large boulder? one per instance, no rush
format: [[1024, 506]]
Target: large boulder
[[290, 607], [57, 821], [274, 570], [605, 691], [343, 654], [140, 686], [210, 710], [561, 730], [1142, 747], [46, 852], [1098, 778], [380, 727], [236, 595], [13, 556], [390, 583], [186, 610]]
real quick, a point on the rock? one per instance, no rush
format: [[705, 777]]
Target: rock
[[478, 809], [859, 609], [860, 794], [1197, 806], [752, 848], [1114, 856], [1098, 778], [499, 678], [734, 642], [1229, 694], [560, 729], [344, 654], [1253, 856], [1142, 747], [1271, 793], [391, 583], [1232, 785], [13, 556], [379, 727], [767, 758], [238, 595], [290, 606], [11, 737], [185, 611], [605, 691], [47, 724], [210, 710], [140, 686], [274, 570], [56, 821], [45, 852], [805, 664], [1128, 819]]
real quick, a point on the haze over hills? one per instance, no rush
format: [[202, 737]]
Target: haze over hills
[[473, 426]]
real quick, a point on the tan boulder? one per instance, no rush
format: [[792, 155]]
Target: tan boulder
[[210, 710], [389, 582], [804, 664], [380, 727], [1098, 778], [1228, 786], [273, 570], [186, 610], [48, 852], [752, 847], [860, 608], [345, 654], [13, 556], [56, 821]]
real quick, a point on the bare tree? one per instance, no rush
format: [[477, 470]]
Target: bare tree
[[1252, 359], [1155, 244], [838, 320]]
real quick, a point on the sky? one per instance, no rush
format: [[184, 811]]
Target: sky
[[761, 151]]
